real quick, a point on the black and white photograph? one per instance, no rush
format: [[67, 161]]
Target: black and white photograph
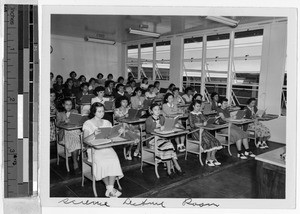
[[168, 107]]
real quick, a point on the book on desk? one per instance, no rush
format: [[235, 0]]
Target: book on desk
[[108, 132], [77, 119]]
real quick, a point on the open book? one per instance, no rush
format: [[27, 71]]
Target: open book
[[77, 119], [108, 105], [108, 132], [260, 113], [86, 99], [212, 120], [169, 125]]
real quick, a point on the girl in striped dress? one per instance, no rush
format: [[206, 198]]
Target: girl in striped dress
[[70, 139], [166, 151]]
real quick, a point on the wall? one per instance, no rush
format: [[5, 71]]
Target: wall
[[87, 58]]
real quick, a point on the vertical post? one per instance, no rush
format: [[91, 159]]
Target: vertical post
[[154, 62], [203, 71], [229, 72], [139, 61]]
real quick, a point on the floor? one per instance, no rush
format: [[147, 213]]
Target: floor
[[235, 178]]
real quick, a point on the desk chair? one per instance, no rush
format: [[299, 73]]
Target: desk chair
[[193, 146], [62, 151], [88, 169], [225, 142]]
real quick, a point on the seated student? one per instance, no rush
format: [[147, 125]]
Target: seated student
[[69, 89], [197, 96], [130, 87], [129, 79], [100, 79], [156, 87], [137, 100], [92, 84], [214, 101], [188, 95], [99, 93], [109, 88], [150, 94], [52, 81], [145, 83], [73, 77], [106, 161], [262, 132], [209, 143], [169, 109], [110, 77], [81, 79], [237, 135], [59, 86], [166, 151], [69, 138], [120, 80], [170, 88], [53, 112], [84, 90], [178, 100], [131, 132], [120, 91]]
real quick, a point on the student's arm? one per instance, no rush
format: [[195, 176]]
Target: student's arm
[[60, 119]]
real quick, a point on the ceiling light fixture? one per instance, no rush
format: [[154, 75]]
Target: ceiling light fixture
[[96, 40], [223, 20], [144, 33]]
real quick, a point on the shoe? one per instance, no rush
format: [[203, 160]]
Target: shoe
[[261, 146], [180, 173], [113, 194], [181, 148], [258, 144], [171, 176], [137, 154], [128, 157], [264, 145], [217, 163], [242, 156], [209, 163], [250, 154]]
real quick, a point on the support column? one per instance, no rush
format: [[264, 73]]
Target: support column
[[203, 71], [176, 62], [229, 72], [139, 62], [154, 62]]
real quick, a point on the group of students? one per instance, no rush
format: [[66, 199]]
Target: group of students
[[107, 163]]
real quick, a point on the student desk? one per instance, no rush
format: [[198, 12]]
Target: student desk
[[61, 151], [149, 155], [270, 174], [87, 166]]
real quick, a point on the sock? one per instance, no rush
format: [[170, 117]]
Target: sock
[[240, 151], [247, 150], [109, 187]]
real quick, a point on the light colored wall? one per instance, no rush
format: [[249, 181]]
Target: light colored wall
[[87, 58], [278, 129]]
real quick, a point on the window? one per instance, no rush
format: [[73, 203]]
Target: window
[[162, 63], [147, 60], [132, 60]]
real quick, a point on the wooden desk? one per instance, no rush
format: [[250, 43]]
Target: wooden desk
[[149, 155], [270, 174], [87, 166]]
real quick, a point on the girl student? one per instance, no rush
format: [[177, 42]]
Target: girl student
[[169, 109], [156, 87], [145, 83], [53, 112], [262, 132], [131, 132], [150, 94], [106, 161], [214, 101], [99, 95], [100, 79], [109, 88], [237, 135], [69, 138], [137, 99], [170, 88], [92, 84], [209, 143], [166, 151], [178, 100], [188, 95]]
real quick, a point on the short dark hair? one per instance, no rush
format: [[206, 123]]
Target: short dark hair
[[100, 74], [191, 107], [80, 77], [92, 79], [107, 82], [187, 89], [97, 89], [110, 75], [120, 78], [196, 95], [136, 90], [67, 99], [156, 82], [150, 86], [167, 96], [154, 104], [73, 72], [118, 86], [213, 94], [84, 84], [223, 99], [171, 85], [94, 109], [119, 100], [144, 79], [250, 100], [175, 89], [59, 76], [52, 91]]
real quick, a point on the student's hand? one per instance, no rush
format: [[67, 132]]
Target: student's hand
[[67, 120], [162, 128], [205, 123], [126, 115], [121, 130]]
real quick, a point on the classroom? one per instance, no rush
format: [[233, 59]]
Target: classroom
[[165, 106]]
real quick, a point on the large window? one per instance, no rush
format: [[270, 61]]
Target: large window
[[162, 63], [147, 60], [132, 60]]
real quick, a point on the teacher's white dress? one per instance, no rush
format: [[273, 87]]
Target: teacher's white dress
[[106, 161]]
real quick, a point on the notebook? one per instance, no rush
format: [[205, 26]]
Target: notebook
[[260, 113], [108, 132], [212, 120], [86, 99], [240, 114], [206, 108], [170, 123], [134, 114], [147, 103], [77, 119], [108, 105]]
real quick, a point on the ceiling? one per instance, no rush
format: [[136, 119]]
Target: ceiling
[[115, 27]]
